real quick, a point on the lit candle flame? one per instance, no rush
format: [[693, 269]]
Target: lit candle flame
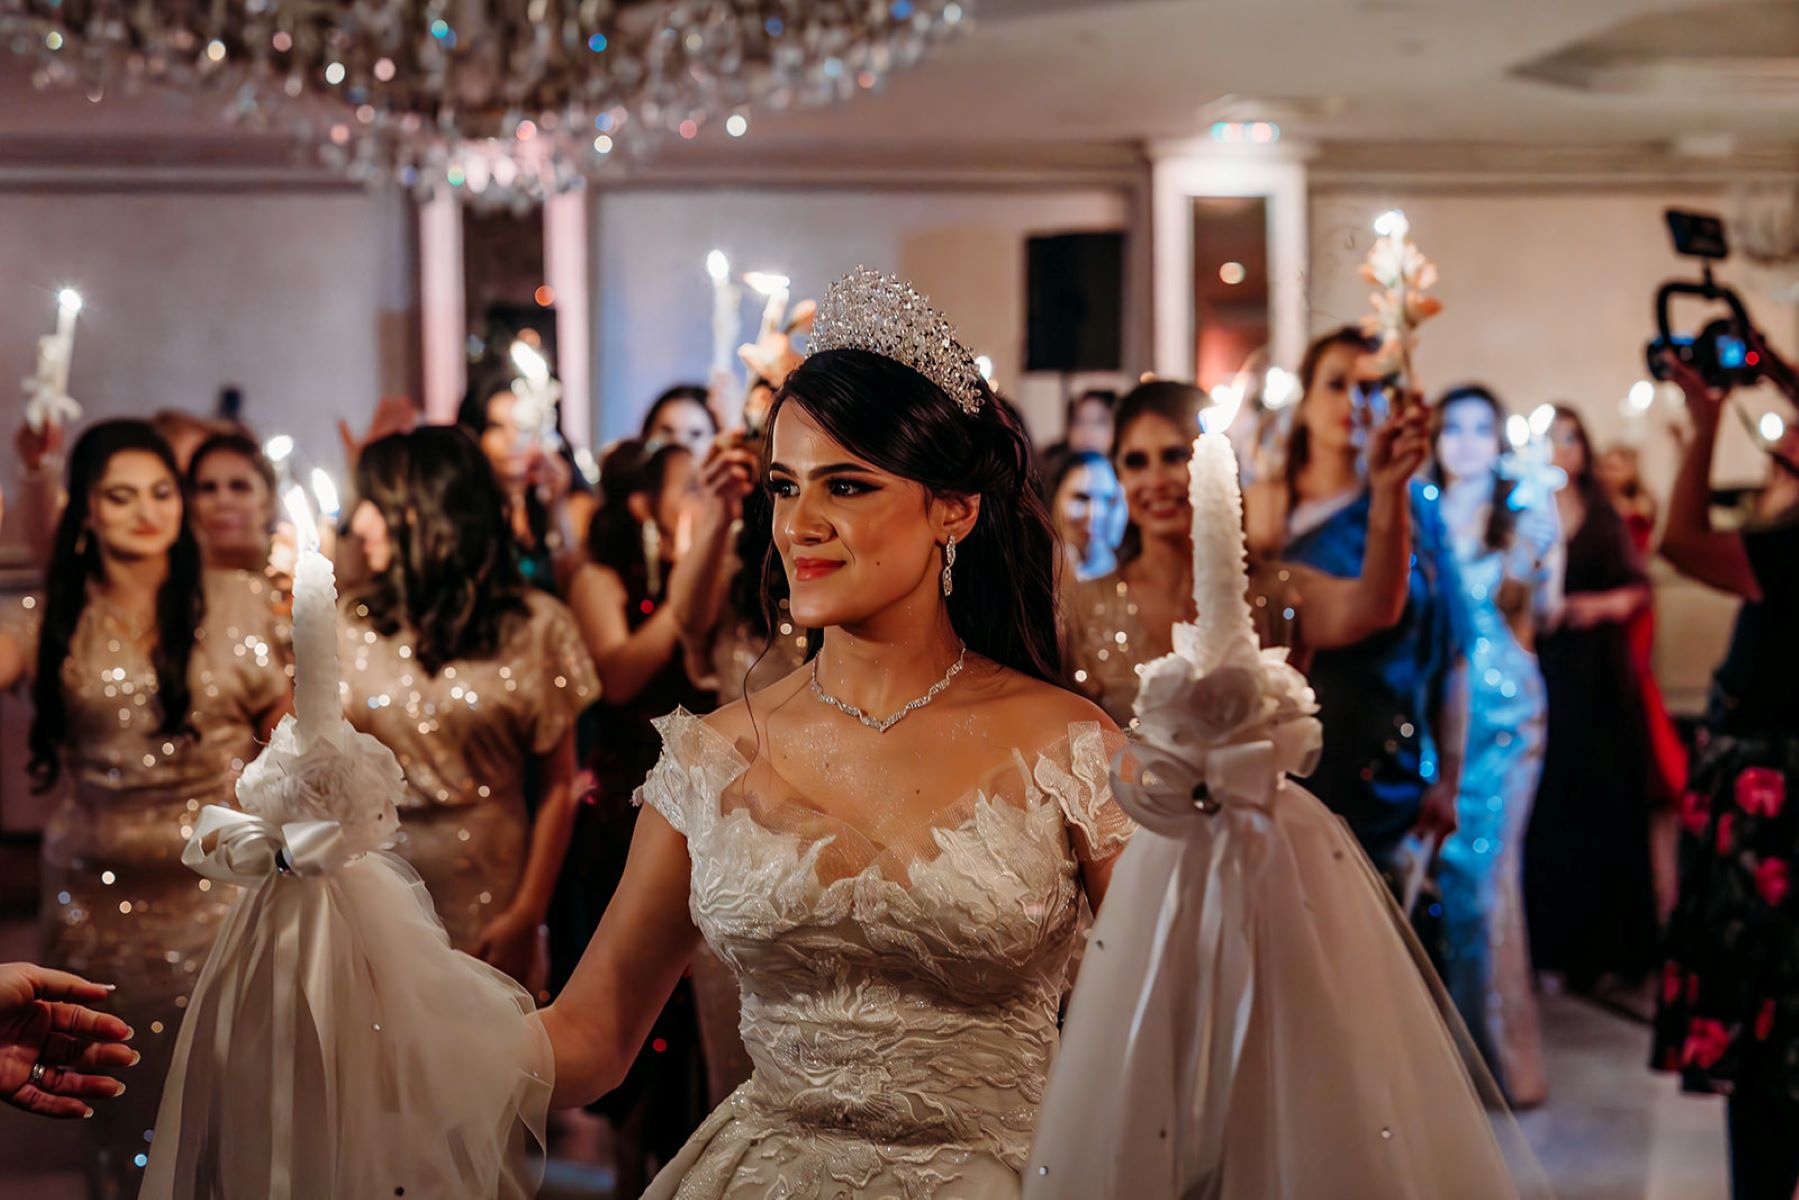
[[299, 511], [530, 362], [1392, 223], [324, 490], [1541, 418], [718, 266], [1227, 399], [766, 283], [69, 300], [277, 448]]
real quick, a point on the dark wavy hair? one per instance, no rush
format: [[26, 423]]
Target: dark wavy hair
[[1500, 518], [487, 380], [1299, 442], [887, 414], [1587, 483], [615, 536], [691, 393], [452, 582], [1178, 403], [75, 563]]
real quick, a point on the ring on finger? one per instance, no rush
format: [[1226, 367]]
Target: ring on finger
[[38, 1071]]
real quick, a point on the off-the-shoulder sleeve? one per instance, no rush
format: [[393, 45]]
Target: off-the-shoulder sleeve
[[23, 618], [1078, 774], [696, 766], [566, 682]]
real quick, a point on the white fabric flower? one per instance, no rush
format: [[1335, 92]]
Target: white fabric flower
[[351, 779]]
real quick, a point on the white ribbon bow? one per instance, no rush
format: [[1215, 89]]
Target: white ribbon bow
[[1218, 803], [245, 849]]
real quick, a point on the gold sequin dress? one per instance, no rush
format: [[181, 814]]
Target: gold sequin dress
[[1107, 641], [464, 738], [118, 905]]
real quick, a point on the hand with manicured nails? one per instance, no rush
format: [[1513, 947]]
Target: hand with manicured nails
[[42, 1024]]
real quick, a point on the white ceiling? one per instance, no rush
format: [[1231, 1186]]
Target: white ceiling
[[1043, 79]]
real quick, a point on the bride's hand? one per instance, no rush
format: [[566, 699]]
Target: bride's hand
[[41, 1025], [509, 943]]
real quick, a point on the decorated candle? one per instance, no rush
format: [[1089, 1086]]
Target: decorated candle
[[317, 706], [1223, 629], [725, 298], [773, 289], [47, 390]]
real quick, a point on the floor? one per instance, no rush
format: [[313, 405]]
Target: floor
[[1611, 1130]]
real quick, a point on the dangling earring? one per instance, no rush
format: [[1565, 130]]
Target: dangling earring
[[949, 563], [81, 542], [652, 556]]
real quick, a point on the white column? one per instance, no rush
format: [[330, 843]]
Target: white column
[[566, 248], [1180, 171], [442, 317]]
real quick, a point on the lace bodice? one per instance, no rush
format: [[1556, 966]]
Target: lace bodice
[[900, 1014]]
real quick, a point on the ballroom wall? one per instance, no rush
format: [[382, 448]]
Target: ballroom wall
[[1548, 294], [965, 248], [301, 298]]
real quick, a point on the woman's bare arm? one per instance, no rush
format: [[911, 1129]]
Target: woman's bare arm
[[631, 966]]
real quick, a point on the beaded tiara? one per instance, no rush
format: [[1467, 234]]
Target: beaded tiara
[[883, 314]]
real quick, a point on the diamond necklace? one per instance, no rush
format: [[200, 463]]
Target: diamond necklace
[[883, 724]]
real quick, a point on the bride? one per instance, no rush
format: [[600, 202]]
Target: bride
[[891, 846]]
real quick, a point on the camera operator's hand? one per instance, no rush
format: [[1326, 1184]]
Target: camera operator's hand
[[1775, 369], [1704, 403], [727, 477]]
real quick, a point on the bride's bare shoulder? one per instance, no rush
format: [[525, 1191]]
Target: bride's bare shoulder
[[740, 719], [1025, 704]]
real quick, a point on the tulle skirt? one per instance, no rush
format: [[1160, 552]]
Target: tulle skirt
[[1254, 1022], [336, 1046]]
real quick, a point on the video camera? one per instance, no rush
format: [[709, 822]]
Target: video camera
[[1720, 351]]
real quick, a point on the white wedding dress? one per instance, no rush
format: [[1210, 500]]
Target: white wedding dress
[[899, 1001]]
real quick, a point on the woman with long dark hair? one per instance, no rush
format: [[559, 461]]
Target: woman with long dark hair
[[1507, 542], [1359, 578], [891, 846], [1127, 616], [233, 486], [153, 683], [474, 680], [1587, 877], [681, 415], [548, 503]]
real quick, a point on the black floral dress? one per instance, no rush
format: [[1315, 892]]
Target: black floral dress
[[1728, 1012]]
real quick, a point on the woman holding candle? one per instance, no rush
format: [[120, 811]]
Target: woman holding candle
[[890, 847], [153, 683], [1382, 643], [1510, 559], [1588, 881], [474, 681], [548, 503]]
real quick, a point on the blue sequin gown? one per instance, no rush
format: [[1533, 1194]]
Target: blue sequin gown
[[1486, 951]]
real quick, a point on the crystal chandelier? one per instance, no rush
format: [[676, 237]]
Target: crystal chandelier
[[501, 99]]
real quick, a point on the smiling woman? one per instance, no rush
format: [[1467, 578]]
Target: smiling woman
[[152, 682], [890, 846], [1127, 617]]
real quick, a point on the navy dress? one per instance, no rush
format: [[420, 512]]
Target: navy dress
[[1379, 697]]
